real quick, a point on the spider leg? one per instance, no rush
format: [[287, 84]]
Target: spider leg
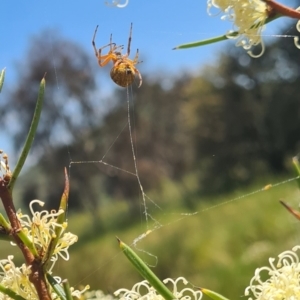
[[104, 60], [129, 40], [140, 76], [121, 47], [111, 55], [98, 52], [111, 49], [93, 41], [135, 60]]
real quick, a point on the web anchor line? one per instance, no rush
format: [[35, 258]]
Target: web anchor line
[[134, 158]]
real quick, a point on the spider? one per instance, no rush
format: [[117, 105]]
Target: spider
[[123, 71]]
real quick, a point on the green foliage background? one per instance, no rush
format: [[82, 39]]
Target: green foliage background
[[218, 248]]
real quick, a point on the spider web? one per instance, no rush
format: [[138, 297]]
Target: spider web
[[145, 198], [166, 218], [152, 224]]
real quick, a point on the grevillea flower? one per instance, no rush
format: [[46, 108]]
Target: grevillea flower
[[17, 279], [40, 228], [143, 290], [281, 280], [248, 18]]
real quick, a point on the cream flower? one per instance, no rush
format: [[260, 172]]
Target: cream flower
[[16, 279], [143, 290], [283, 279], [248, 17], [41, 230]]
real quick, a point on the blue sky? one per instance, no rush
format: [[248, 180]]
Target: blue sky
[[158, 26]]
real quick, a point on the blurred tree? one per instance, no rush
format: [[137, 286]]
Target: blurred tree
[[278, 117], [68, 103], [220, 123], [243, 116], [227, 124], [69, 109], [159, 144]]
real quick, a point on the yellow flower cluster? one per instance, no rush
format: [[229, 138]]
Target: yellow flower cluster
[[248, 18], [17, 279], [40, 228], [281, 281], [143, 290]]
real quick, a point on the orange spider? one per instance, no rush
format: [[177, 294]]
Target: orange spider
[[123, 71]]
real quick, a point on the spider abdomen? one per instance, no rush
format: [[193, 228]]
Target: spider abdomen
[[122, 74]]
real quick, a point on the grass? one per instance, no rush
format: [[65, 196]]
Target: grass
[[217, 248]]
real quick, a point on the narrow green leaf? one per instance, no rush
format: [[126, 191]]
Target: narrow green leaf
[[67, 290], [204, 42], [2, 76], [28, 242], [5, 224], [221, 37], [30, 136], [5, 230], [213, 295], [64, 200], [145, 271], [60, 220], [10, 293], [56, 287]]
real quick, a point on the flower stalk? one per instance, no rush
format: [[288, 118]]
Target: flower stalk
[[283, 10]]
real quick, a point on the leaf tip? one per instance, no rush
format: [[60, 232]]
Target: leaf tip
[[211, 294], [291, 210]]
